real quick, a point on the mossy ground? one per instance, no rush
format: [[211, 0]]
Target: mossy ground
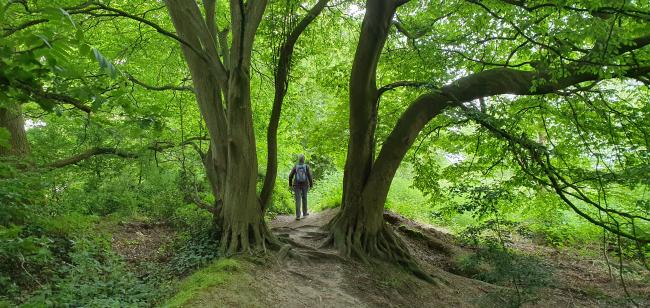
[[195, 286]]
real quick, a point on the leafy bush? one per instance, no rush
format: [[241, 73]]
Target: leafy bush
[[282, 202], [192, 253], [94, 278], [327, 193], [25, 261], [407, 200], [494, 264], [192, 220], [196, 245]]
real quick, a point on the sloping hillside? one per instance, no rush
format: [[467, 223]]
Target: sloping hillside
[[308, 276]]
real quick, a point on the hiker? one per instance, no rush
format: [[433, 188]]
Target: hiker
[[303, 182]]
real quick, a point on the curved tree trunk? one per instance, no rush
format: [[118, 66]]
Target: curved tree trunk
[[359, 229], [281, 78], [363, 97], [11, 119], [231, 164]]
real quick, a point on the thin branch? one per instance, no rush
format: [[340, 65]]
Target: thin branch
[[158, 88], [10, 31], [157, 146], [56, 97], [157, 27], [397, 84], [90, 153]]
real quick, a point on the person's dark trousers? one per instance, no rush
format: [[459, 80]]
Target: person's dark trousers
[[300, 192]]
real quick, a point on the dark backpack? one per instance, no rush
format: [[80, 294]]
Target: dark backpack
[[301, 174]]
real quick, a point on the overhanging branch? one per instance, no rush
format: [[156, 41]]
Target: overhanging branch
[[55, 97], [90, 153], [157, 146], [540, 155], [398, 84], [158, 88], [150, 23]]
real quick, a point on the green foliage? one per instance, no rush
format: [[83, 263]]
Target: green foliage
[[193, 253], [459, 172], [94, 277], [282, 201], [52, 252], [5, 136], [523, 274], [191, 219], [327, 192], [320, 166], [406, 200]]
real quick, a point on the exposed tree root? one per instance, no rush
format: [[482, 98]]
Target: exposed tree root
[[301, 251], [247, 237], [357, 241], [414, 231]]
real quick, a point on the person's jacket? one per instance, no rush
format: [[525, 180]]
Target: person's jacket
[[309, 182]]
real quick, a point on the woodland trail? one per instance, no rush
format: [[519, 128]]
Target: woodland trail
[[321, 281], [310, 276], [317, 277], [314, 277]]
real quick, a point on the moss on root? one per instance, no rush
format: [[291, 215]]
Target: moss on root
[[219, 272]]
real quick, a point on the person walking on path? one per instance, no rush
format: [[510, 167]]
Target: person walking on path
[[301, 185]]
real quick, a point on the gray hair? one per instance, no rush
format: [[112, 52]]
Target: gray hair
[[301, 158]]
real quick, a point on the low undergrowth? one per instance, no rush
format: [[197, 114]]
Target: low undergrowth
[[55, 254], [523, 275]]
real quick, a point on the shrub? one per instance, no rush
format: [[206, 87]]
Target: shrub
[[494, 264], [94, 278], [327, 193], [282, 201], [192, 219], [192, 252]]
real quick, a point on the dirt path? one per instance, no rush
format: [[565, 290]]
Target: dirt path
[[322, 279], [312, 276]]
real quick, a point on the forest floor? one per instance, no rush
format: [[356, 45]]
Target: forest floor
[[322, 279]]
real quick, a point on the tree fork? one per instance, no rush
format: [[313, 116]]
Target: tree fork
[[231, 163]]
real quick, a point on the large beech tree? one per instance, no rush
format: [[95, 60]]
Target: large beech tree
[[220, 62], [359, 229]]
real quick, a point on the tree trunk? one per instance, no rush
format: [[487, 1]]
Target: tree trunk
[[359, 230], [281, 78], [231, 164], [242, 214], [11, 119], [363, 98]]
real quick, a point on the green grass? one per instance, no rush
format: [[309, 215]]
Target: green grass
[[408, 201], [217, 273]]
